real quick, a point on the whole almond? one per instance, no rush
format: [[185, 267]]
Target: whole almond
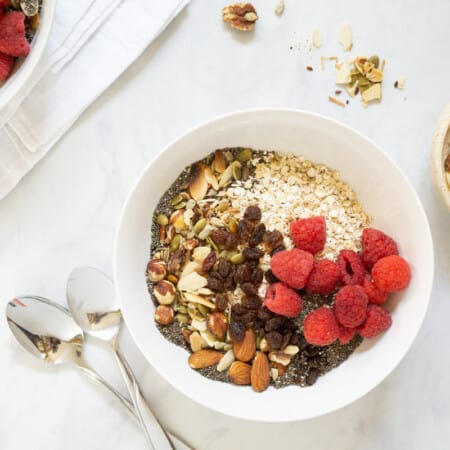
[[260, 373], [239, 373], [245, 350], [204, 358]]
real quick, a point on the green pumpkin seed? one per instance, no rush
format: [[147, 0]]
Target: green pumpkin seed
[[180, 205], [182, 318], [245, 155], [375, 60], [182, 309], [237, 258], [162, 220], [237, 172], [198, 227], [204, 311], [182, 196], [175, 242]]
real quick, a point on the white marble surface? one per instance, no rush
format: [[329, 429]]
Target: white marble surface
[[64, 214]]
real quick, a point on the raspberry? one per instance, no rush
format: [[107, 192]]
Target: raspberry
[[351, 267], [6, 66], [346, 335], [3, 4], [375, 295], [12, 34], [378, 320], [320, 327], [292, 267], [391, 273], [376, 245], [283, 300], [309, 234], [350, 306], [323, 277]]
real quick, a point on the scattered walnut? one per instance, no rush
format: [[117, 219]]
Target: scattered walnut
[[241, 16]]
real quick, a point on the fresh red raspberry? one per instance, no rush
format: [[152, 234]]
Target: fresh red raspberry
[[3, 4], [12, 34], [346, 335], [323, 278], [292, 267], [6, 66], [283, 300], [376, 245], [350, 304], [375, 295], [391, 273], [309, 234], [320, 327], [351, 267], [378, 320]]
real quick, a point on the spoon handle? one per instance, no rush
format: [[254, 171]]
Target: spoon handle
[[154, 432]]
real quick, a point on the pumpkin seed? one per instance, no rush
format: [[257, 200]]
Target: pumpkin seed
[[245, 155], [237, 172], [199, 225], [179, 198], [182, 318], [375, 60], [226, 176], [204, 311], [237, 258], [182, 309], [162, 219], [175, 242], [172, 278], [29, 7]]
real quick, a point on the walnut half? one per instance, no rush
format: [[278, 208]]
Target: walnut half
[[241, 16]]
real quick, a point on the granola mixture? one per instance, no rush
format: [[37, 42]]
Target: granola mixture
[[214, 233]]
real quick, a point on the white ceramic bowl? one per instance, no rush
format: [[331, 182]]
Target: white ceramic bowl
[[383, 191], [25, 66], [440, 148]]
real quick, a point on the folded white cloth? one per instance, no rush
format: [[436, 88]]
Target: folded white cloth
[[92, 43]]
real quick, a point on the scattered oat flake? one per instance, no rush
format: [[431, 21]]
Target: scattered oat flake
[[345, 37], [336, 101], [317, 38], [279, 8]]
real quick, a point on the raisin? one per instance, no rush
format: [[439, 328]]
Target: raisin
[[274, 339], [229, 283], [264, 314], [253, 264], [270, 277], [221, 302], [312, 376], [253, 253], [220, 236], [275, 323], [249, 289], [209, 262], [244, 230], [299, 341], [224, 267], [236, 330], [252, 213], [238, 310], [243, 274], [231, 242], [257, 276], [257, 235], [280, 248], [286, 339], [273, 239], [249, 317], [251, 302], [258, 325], [215, 282]]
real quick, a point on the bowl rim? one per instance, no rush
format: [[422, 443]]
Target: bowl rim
[[437, 156], [13, 86], [426, 238]]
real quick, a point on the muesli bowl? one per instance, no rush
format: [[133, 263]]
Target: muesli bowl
[[381, 189]]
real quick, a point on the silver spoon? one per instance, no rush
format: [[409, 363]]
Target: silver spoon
[[48, 331], [92, 300]]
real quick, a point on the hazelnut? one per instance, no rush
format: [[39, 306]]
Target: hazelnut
[[164, 314], [156, 269], [165, 292], [217, 324], [186, 334]]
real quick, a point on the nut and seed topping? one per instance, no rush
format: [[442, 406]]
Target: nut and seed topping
[[241, 16]]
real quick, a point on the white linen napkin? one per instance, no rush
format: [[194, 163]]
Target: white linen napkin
[[92, 43]]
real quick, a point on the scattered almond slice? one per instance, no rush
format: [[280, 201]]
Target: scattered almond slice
[[372, 93], [343, 74], [210, 178], [190, 267], [317, 38], [198, 186], [345, 37], [375, 75], [192, 282], [336, 101], [194, 298]]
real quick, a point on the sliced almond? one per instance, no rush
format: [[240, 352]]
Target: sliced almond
[[280, 357], [245, 350], [192, 282], [220, 163], [375, 75], [343, 74], [372, 93], [210, 178], [198, 186], [317, 38], [199, 324], [194, 298], [196, 341], [190, 267], [260, 373], [204, 358], [345, 37], [208, 337], [291, 350], [240, 373], [226, 361], [200, 253]]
